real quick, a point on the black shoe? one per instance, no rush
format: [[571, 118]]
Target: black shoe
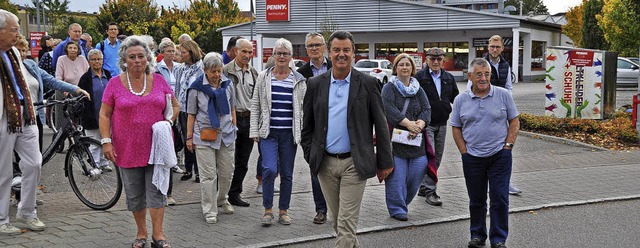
[[433, 199], [320, 218], [476, 243], [499, 245], [197, 178], [422, 192], [187, 175], [237, 201], [400, 217]]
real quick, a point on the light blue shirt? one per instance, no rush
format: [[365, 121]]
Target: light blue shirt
[[111, 57], [317, 70], [337, 133], [436, 80], [484, 120], [13, 77]]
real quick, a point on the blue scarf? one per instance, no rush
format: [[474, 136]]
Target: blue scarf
[[218, 103], [406, 91]]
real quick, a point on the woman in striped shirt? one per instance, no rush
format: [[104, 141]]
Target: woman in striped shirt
[[276, 122]]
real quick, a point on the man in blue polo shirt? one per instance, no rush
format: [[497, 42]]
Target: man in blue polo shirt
[[485, 125], [109, 48]]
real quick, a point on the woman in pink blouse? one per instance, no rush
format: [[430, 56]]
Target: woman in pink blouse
[[71, 66], [132, 102]]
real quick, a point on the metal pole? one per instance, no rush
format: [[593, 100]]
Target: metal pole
[[251, 23], [38, 14]]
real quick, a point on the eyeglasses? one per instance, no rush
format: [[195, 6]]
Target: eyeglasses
[[95, 59], [436, 58], [337, 50], [480, 75], [314, 45], [282, 54], [495, 47]]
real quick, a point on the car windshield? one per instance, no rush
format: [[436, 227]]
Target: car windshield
[[366, 64]]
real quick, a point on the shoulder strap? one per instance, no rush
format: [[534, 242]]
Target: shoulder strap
[[406, 105], [102, 47]]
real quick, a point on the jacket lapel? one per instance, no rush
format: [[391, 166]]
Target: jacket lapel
[[354, 87], [323, 99]]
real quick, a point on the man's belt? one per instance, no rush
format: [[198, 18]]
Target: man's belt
[[339, 155]]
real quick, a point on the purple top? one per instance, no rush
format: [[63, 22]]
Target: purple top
[[132, 119]]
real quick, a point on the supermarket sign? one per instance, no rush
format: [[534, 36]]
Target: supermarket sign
[[277, 10]]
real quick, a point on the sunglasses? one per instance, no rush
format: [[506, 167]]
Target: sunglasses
[[436, 58]]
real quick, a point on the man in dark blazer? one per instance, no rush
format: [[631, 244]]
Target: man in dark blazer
[[341, 109], [318, 64]]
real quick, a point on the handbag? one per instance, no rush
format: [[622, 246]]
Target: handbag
[[208, 133]]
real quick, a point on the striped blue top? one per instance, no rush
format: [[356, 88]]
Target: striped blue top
[[282, 103]]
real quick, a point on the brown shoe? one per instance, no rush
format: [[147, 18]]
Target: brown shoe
[[320, 218]]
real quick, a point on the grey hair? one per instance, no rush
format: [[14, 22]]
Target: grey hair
[[74, 24], [94, 52], [166, 43], [3, 18], [243, 40], [212, 60], [184, 37], [313, 34], [478, 61], [132, 41], [87, 34], [283, 43]]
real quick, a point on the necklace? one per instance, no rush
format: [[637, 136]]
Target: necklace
[[144, 88]]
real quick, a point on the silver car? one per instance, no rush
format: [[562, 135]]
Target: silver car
[[628, 73], [379, 68]]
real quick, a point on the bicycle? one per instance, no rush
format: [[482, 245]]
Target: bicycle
[[95, 186]]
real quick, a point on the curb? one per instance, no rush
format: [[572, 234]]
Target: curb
[[560, 140], [442, 220]]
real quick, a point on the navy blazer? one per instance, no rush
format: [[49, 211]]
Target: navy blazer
[[364, 111], [440, 105], [46, 79]]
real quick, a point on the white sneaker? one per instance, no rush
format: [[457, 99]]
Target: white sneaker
[[211, 219], [33, 223], [177, 169], [171, 201], [276, 189], [259, 189], [227, 208], [8, 229]]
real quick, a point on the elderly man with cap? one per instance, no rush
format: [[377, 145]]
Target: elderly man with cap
[[441, 89]]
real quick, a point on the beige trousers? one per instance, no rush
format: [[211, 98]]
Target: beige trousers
[[216, 171], [343, 190]]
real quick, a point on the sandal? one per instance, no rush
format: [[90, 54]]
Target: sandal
[[284, 219], [160, 244], [267, 218], [139, 243]]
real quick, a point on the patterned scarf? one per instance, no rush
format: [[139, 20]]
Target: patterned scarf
[[11, 101], [406, 91]]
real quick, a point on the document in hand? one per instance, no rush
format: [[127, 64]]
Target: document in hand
[[402, 137]]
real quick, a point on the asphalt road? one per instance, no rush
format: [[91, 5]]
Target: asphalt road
[[608, 224]]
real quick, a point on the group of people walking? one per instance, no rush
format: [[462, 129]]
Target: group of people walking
[[222, 106]]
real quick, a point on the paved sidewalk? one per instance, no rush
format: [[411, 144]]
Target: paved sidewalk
[[549, 173]]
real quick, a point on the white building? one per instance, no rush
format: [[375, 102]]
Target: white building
[[385, 28]]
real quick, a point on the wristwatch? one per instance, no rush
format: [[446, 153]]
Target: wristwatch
[[105, 141], [508, 145]]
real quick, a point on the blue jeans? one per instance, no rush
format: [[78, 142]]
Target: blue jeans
[[278, 146], [494, 171], [403, 183], [318, 197]]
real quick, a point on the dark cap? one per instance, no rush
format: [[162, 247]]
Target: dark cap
[[434, 51]]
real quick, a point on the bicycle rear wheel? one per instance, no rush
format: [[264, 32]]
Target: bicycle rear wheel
[[97, 188]]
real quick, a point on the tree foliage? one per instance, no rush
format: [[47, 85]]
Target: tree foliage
[[6, 5], [592, 35], [535, 6], [573, 27], [210, 16], [56, 11], [620, 21], [134, 17]]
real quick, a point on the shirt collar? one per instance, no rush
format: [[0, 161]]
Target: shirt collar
[[324, 63], [491, 90], [93, 74], [348, 78], [238, 68], [437, 75]]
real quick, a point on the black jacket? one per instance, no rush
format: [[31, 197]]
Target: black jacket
[[88, 116], [306, 71], [440, 106], [499, 78]]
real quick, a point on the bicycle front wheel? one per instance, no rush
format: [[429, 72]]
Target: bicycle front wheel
[[96, 186]]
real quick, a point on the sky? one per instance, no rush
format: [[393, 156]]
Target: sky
[[554, 6]]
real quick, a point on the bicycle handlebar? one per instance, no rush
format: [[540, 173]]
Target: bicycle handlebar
[[47, 103]]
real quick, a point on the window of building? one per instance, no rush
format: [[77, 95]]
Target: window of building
[[389, 51], [362, 51], [456, 54], [537, 55]]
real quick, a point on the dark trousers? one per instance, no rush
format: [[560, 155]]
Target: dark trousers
[[190, 163], [244, 146], [318, 197], [494, 171]]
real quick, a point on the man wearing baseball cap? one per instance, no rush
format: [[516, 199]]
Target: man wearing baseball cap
[[441, 89]]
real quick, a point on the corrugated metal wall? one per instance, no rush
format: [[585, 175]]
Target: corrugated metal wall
[[376, 16]]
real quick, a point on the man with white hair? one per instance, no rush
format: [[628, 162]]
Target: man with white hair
[[184, 37], [18, 131], [88, 41]]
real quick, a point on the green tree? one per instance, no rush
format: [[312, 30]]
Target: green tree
[[134, 17], [56, 11], [620, 21], [205, 17], [6, 5], [535, 6], [592, 35], [573, 27]]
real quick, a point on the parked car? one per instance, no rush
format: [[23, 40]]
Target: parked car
[[628, 73], [299, 63], [635, 60], [379, 68]]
